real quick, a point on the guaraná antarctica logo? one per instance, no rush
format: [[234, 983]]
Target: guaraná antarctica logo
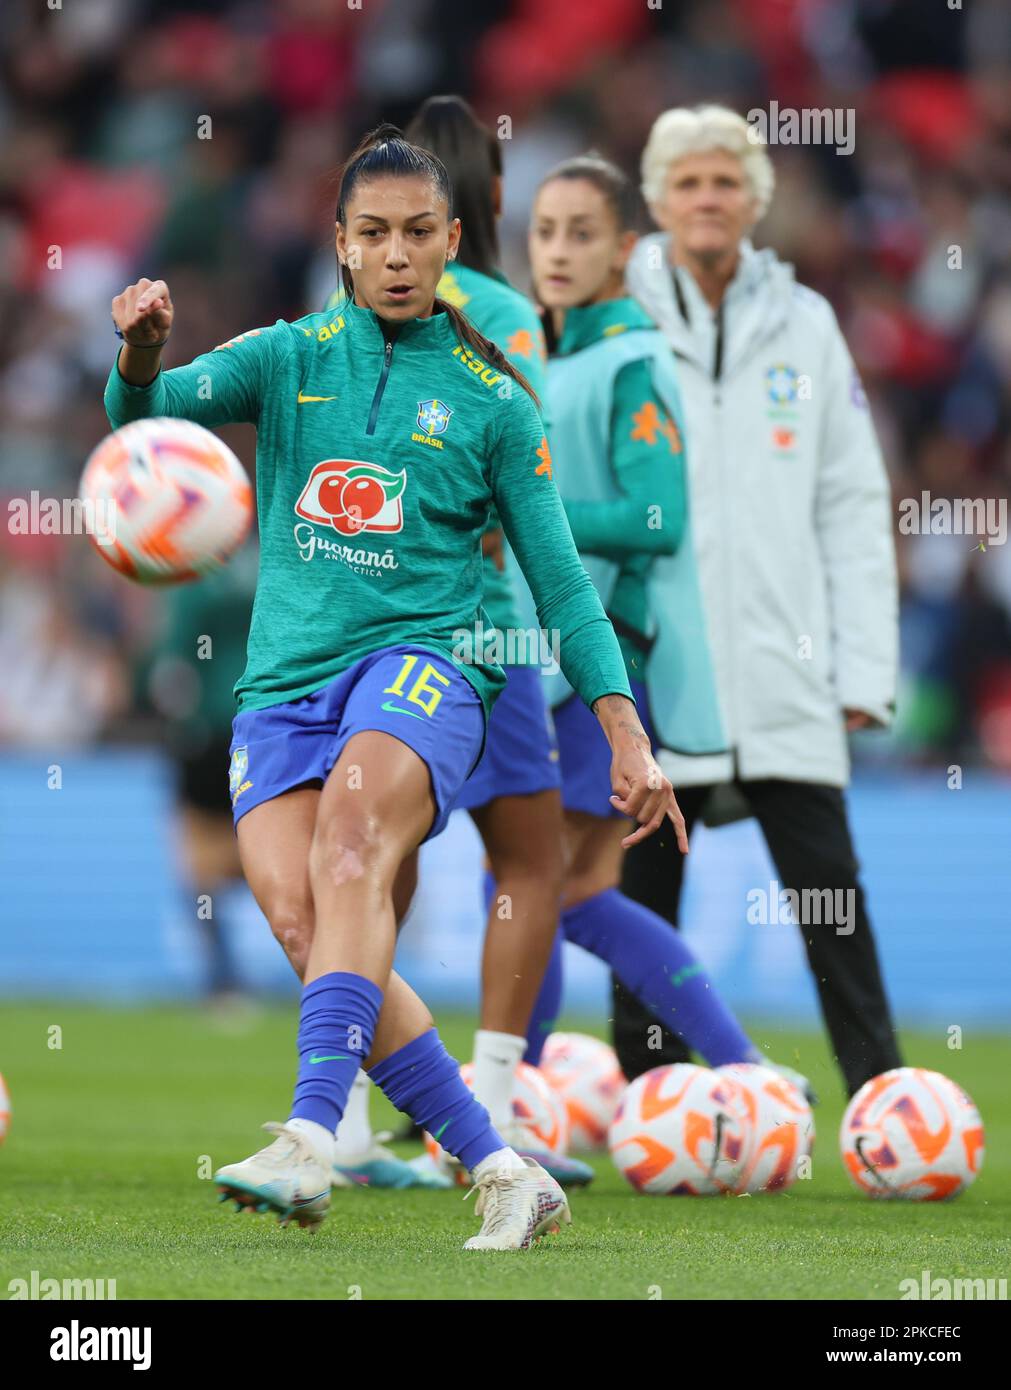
[[352, 496]]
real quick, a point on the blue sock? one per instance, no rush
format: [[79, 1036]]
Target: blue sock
[[653, 962], [335, 1031], [546, 1006], [423, 1080]]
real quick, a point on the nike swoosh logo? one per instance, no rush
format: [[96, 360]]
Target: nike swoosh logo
[[335, 1057], [395, 709], [302, 400]]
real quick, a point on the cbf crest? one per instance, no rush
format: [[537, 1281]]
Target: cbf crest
[[237, 782], [433, 417], [781, 382]]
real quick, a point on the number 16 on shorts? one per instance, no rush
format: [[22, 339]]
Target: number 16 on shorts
[[421, 692]]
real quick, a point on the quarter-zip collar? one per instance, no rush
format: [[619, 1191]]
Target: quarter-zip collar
[[593, 322], [433, 331]]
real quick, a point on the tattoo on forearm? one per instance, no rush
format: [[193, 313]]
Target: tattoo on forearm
[[627, 725], [609, 702]]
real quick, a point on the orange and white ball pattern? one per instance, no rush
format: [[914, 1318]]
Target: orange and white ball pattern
[[781, 1128], [165, 501], [5, 1110], [912, 1134], [681, 1130], [584, 1071]]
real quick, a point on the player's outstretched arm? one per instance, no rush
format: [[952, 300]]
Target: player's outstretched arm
[[221, 387]]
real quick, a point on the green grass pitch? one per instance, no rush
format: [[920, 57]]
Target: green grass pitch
[[100, 1178]]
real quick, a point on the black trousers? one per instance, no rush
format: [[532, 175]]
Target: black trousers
[[806, 830]]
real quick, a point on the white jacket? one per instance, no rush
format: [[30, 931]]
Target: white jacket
[[791, 520]]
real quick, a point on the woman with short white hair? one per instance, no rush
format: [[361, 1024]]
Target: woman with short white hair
[[702, 130], [793, 552]]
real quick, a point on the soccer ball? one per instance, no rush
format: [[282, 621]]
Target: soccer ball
[[535, 1106], [913, 1134], [584, 1071], [781, 1128], [681, 1130], [165, 501], [5, 1110]]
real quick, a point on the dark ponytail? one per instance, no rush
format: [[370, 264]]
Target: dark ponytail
[[383, 152], [484, 348], [449, 128]]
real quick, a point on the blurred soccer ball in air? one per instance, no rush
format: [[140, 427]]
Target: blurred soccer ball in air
[[165, 501]]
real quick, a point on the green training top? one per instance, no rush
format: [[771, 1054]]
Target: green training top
[[645, 460], [511, 322], [619, 464], [380, 450]]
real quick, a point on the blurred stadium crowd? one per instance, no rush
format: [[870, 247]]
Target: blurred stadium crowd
[[104, 178]]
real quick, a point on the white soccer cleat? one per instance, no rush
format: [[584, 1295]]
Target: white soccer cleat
[[518, 1206], [287, 1177]]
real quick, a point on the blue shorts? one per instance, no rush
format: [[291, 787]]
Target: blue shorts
[[585, 756], [520, 754], [420, 698]]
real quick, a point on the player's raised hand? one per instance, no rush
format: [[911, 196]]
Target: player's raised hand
[[143, 313]]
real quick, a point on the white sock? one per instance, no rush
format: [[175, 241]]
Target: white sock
[[319, 1137], [354, 1133], [495, 1059], [501, 1158]]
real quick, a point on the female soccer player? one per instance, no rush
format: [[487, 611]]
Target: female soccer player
[[637, 512], [356, 725], [512, 795], [613, 403]]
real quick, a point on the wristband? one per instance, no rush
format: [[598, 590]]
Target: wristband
[[139, 346]]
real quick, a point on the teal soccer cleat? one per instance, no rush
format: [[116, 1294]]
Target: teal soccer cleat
[[287, 1177], [380, 1167]]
